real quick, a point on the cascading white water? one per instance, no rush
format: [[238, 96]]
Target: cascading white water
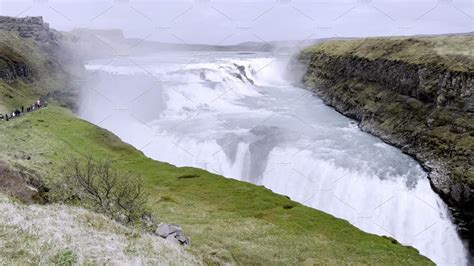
[[235, 115]]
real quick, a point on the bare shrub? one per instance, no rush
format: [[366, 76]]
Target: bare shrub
[[97, 184]]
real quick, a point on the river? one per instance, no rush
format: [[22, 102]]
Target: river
[[237, 115]]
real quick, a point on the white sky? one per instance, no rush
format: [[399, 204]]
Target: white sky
[[229, 22]]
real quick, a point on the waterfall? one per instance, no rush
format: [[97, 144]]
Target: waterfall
[[236, 115]]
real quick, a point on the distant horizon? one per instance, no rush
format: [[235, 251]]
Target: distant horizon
[[223, 22], [277, 41]]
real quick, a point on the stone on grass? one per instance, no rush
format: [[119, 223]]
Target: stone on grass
[[173, 233]]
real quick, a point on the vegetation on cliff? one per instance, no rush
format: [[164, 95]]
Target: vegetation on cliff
[[454, 53]]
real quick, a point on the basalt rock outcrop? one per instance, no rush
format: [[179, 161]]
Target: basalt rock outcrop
[[12, 70], [414, 93], [13, 66], [430, 85], [30, 27]]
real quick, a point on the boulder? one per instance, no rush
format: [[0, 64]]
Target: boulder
[[173, 233], [164, 229]]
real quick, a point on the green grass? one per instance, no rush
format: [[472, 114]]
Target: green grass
[[228, 220], [455, 53], [15, 95], [65, 258]]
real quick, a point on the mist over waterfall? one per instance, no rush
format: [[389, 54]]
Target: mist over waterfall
[[235, 114]]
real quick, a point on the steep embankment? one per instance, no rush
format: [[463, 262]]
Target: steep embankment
[[229, 221], [416, 93]]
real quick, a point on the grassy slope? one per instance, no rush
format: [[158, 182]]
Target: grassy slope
[[454, 53], [228, 220]]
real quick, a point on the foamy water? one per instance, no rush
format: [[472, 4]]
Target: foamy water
[[236, 115]]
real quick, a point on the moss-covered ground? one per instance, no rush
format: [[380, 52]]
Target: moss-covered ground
[[451, 52]]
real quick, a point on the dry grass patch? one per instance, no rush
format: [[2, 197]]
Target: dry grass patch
[[59, 233]]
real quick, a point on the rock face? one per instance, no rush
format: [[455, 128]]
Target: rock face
[[10, 70], [30, 27], [431, 85], [427, 110], [173, 233], [13, 66]]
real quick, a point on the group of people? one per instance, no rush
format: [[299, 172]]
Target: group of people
[[21, 111]]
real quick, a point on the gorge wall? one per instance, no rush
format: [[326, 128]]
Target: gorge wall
[[437, 86], [415, 93]]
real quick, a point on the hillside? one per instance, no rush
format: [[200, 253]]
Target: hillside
[[414, 92], [228, 221], [35, 66]]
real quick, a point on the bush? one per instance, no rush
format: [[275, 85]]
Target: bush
[[97, 184]]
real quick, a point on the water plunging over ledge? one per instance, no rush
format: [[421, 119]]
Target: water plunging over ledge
[[235, 115]]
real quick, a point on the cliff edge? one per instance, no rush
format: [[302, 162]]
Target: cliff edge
[[416, 93]]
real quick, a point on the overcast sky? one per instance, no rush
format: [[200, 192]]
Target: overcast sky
[[229, 22]]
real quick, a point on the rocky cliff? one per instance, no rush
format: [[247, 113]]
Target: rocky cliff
[[30, 27], [13, 65], [415, 93], [35, 62], [437, 86]]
